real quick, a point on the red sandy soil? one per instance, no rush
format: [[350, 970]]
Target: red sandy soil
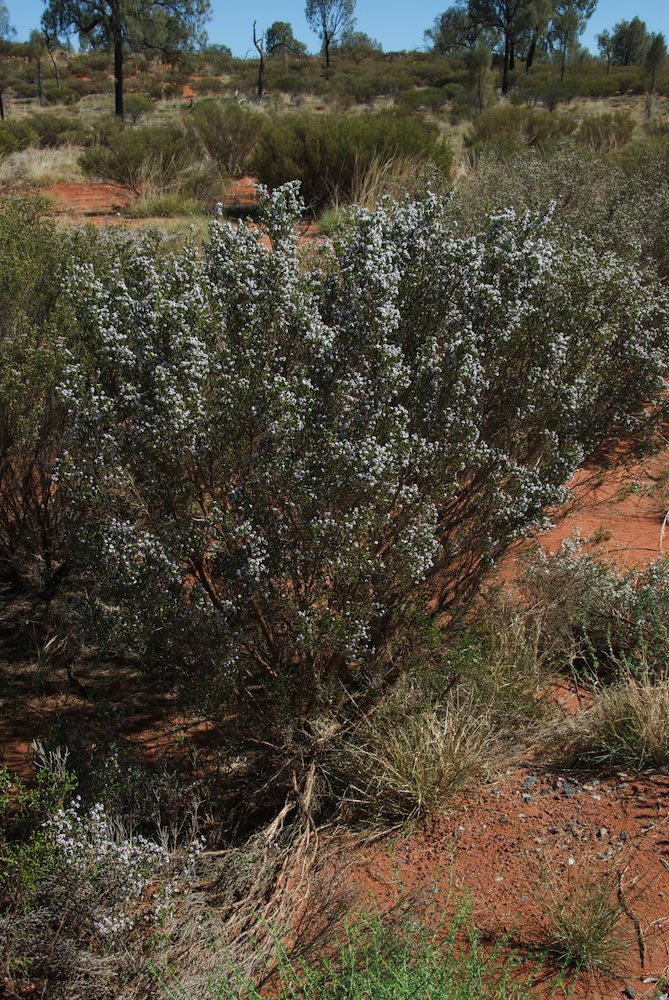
[[503, 843], [621, 511], [103, 199]]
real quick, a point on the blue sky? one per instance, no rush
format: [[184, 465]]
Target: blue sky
[[395, 23]]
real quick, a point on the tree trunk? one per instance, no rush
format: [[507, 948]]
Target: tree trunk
[[40, 95], [2, 107], [512, 53], [55, 66], [530, 54], [261, 76], [564, 56], [326, 45], [118, 62], [505, 69]]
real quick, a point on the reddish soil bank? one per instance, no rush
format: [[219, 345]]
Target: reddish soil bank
[[103, 199]]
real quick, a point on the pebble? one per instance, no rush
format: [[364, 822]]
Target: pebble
[[569, 789], [624, 835], [530, 781], [526, 797], [602, 832], [553, 829], [629, 993]]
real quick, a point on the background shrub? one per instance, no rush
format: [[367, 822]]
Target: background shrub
[[55, 129], [326, 152], [603, 133], [135, 106], [502, 131], [151, 160], [226, 132], [15, 135]]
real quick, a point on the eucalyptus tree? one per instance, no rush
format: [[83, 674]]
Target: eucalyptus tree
[[629, 42], [568, 22], [329, 19], [123, 26], [655, 58]]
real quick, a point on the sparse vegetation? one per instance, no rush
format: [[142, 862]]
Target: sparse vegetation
[[586, 926]]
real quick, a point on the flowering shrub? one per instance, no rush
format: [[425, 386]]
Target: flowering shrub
[[607, 617], [115, 868], [271, 457], [77, 886]]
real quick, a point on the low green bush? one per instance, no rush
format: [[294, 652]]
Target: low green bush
[[208, 85], [65, 94], [396, 958], [15, 135], [135, 106], [606, 132], [55, 129], [145, 159], [423, 99], [327, 152], [290, 83], [554, 92], [502, 131], [227, 133], [166, 206]]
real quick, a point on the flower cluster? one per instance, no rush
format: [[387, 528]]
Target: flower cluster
[[115, 868], [270, 454]]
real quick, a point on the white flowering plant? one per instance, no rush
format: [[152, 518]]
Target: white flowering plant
[[275, 456], [604, 619]]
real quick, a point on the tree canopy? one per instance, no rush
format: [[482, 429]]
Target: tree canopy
[[122, 26], [512, 27], [329, 19]]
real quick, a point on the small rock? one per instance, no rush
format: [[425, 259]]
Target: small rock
[[624, 836], [629, 993], [602, 832], [553, 829], [530, 781], [526, 797], [623, 784], [569, 789]]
